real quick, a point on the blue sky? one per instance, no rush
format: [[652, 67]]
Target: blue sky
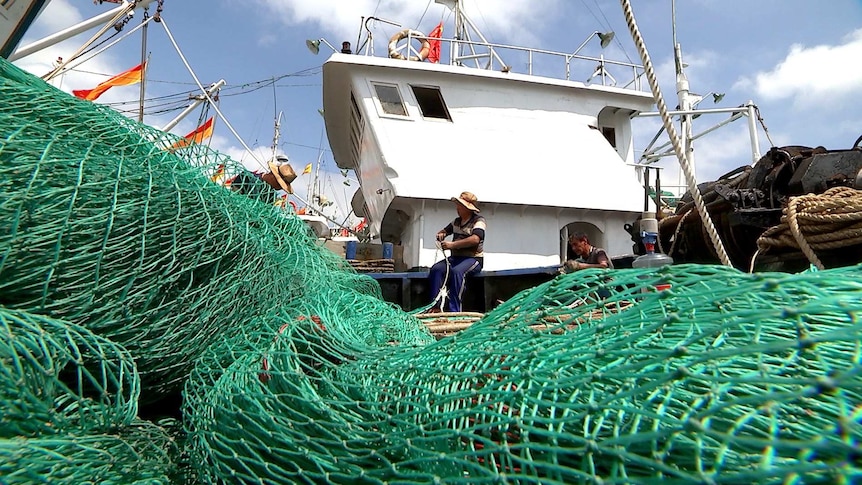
[[797, 60]]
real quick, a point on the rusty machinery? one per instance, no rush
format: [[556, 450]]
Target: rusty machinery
[[749, 200]]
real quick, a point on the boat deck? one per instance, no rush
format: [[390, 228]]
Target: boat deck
[[410, 290]]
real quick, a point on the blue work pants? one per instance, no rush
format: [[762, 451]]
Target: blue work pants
[[459, 268]]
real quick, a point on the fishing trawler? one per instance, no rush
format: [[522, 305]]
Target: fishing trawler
[[546, 156], [548, 151]]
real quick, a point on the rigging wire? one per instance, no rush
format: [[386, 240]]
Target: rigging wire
[[607, 24], [208, 97], [122, 12], [422, 17]]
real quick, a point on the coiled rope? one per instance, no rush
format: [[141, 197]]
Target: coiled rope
[[816, 222], [447, 323], [674, 139]]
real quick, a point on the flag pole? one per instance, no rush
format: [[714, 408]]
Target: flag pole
[[144, 61]]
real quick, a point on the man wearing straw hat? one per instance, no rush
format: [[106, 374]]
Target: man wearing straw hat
[[468, 237]]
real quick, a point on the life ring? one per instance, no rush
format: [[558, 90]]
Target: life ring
[[403, 34]]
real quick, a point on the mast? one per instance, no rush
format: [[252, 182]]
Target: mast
[[466, 30], [111, 16], [276, 135], [144, 62], [684, 96]]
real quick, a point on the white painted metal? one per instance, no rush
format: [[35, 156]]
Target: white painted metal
[[76, 29], [15, 18], [197, 102], [319, 225]]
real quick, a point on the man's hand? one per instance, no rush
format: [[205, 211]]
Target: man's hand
[[446, 245], [441, 235], [573, 265]]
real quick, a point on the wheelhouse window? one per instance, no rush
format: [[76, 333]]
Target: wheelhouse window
[[390, 99], [431, 102]]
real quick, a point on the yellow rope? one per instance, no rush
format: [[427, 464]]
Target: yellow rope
[[442, 324], [817, 222]]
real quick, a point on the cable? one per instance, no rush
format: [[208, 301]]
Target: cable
[[209, 98]]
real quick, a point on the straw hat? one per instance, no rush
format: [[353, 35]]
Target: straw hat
[[280, 176], [468, 200]]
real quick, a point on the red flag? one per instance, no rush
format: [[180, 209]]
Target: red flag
[[132, 76], [199, 134], [434, 53]]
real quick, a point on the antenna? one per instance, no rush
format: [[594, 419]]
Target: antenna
[[677, 51], [275, 135]]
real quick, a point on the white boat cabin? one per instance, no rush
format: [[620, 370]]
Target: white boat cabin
[[545, 156]]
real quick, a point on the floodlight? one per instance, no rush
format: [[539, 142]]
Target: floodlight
[[314, 45], [606, 38]]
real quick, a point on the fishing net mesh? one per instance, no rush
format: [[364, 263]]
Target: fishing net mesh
[[127, 274]]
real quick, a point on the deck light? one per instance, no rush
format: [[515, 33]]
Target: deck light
[[314, 45], [716, 98], [606, 38]]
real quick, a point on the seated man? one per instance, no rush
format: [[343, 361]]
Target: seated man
[[589, 256], [468, 237]]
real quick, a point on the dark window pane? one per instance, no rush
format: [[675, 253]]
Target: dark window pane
[[431, 102]]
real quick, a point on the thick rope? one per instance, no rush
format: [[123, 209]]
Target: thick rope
[[674, 139], [817, 222], [447, 323]]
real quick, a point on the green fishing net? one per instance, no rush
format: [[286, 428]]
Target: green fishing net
[[69, 403], [127, 274], [104, 225], [594, 377]]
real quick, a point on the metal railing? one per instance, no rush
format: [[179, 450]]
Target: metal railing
[[560, 65]]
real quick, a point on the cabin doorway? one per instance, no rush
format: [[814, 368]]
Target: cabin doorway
[[595, 235]]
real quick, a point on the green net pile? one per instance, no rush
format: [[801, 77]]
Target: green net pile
[[590, 378], [126, 274], [69, 400], [103, 226]]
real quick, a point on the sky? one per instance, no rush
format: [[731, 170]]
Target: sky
[[797, 60]]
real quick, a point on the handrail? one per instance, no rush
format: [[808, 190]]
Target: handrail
[[599, 65]]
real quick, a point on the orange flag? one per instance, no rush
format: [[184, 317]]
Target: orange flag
[[132, 76], [434, 53], [199, 134]]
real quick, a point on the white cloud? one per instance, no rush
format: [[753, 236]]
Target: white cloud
[[58, 15], [342, 19], [813, 75]]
